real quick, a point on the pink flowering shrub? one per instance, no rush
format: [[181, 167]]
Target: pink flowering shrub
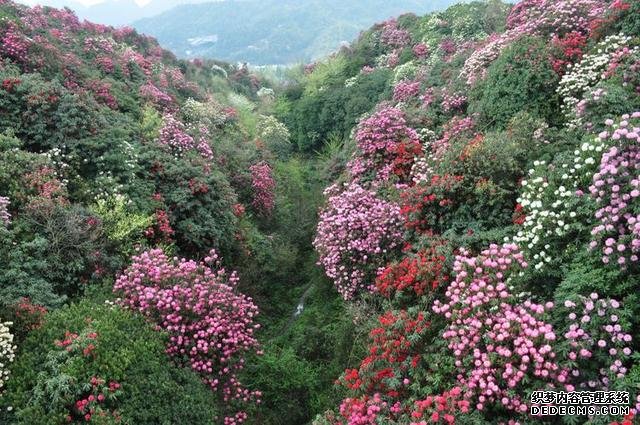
[[5, 216], [152, 93], [13, 44], [440, 409], [453, 101], [102, 93], [393, 36], [105, 63], [616, 189], [381, 139], [457, 127], [535, 17], [174, 135], [405, 90], [211, 326], [599, 347], [263, 185], [500, 346], [356, 234], [420, 50], [362, 410]]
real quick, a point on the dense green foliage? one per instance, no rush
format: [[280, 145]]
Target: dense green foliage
[[47, 381], [168, 251]]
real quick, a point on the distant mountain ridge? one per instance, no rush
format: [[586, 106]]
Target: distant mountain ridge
[[265, 32], [116, 12]]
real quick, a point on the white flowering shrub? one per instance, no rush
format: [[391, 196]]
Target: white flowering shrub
[[406, 71], [554, 202], [578, 85], [210, 113], [275, 135], [7, 352]]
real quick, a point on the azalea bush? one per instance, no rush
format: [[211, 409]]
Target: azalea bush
[[211, 326], [419, 273], [356, 235], [499, 344], [382, 139], [600, 348], [263, 186], [7, 353], [615, 190], [394, 358]]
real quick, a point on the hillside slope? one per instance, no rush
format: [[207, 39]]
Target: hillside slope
[[482, 224], [168, 254], [154, 220]]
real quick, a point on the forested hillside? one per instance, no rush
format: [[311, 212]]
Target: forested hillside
[[425, 227], [272, 32]]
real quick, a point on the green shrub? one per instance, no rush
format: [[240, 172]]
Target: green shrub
[[521, 79], [57, 362]]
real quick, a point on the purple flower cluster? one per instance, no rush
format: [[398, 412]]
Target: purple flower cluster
[[616, 189], [152, 93], [13, 44], [355, 235], [421, 50], [174, 134], [455, 101], [394, 36]]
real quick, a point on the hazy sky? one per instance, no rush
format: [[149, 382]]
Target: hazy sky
[[84, 2]]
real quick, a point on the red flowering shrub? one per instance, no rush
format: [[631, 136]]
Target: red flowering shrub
[[418, 273], [426, 205], [94, 399], [394, 352], [440, 409], [386, 145], [570, 48], [210, 324], [47, 186], [519, 215], [26, 317], [102, 93], [161, 230]]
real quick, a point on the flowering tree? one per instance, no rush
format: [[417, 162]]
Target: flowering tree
[[356, 234], [211, 325], [500, 345], [7, 350], [263, 185], [383, 138]]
